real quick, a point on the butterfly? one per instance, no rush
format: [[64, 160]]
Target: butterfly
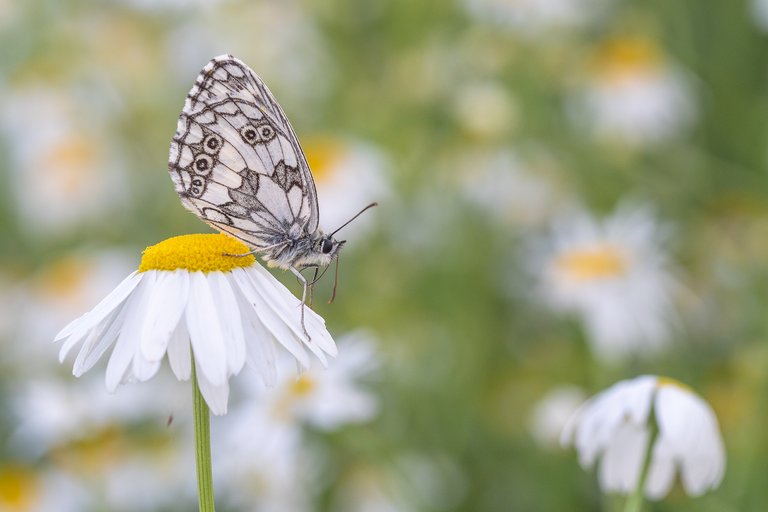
[[237, 164]]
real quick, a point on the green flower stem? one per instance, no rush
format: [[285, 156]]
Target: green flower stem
[[202, 446], [635, 501]]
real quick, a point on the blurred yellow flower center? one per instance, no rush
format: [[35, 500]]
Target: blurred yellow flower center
[[669, 382], [73, 162], [204, 253], [323, 154], [18, 488], [302, 386], [624, 58], [592, 263]]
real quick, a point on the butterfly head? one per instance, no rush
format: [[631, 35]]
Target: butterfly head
[[327, 248]]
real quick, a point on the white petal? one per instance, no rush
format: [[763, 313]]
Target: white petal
[[79, 326], [143, 370], [166, 305], [289, 307], [215, 396], [231, 323], [260, 344], [205, 334], [266, 315], [285, 305], [622, 462], [128, 338], [179, 354], [100, 339], [661, 473]]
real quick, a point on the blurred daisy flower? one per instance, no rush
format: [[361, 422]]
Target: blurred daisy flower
[[329, 398], [613, 274], [534, 16], [552, 412], [348, 175], [509, 188], [485, 110], [26, 487], [56, 293], [633, 94], [759, 9], [189, 298], [268, 472], [654, 417], [61, 175]]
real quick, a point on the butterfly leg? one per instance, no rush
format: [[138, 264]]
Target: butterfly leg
[[304, 283]]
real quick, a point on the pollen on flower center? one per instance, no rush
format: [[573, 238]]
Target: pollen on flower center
[[205, 253], [591, 263]]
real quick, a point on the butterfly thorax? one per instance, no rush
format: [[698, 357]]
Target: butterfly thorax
[[303, 250]]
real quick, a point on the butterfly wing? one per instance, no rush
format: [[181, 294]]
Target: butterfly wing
[[235, 159]]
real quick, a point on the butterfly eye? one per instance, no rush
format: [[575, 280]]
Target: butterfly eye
[[266, 132], [249, 133], [212, 144], [203, 164], [327, 246]]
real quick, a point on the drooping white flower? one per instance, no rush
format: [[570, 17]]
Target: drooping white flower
[[190, 297], [613, 274], [615, 427], [633, 96]]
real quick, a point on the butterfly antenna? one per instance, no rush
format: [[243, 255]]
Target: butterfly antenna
[[336, 274], [353, 218]]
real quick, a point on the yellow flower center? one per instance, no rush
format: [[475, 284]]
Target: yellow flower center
[[18, 488], [204, 253], [323, 154], [625, 58], [592, 263], [669, 382], [302, 386]]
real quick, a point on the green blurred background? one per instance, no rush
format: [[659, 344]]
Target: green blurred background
[[479, 125]]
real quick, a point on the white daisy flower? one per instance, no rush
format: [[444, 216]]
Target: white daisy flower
[[633, 96], [613, 274], [615, 426], [189, 298]]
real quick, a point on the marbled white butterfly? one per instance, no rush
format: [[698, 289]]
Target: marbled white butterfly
[[237, 164]]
